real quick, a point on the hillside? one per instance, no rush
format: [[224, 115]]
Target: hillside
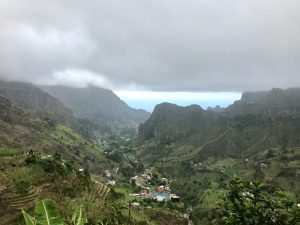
[[202, 150], [255, 97], [22, 132], [170, 122], [198, 151], [99, 105], [40, 159], [32, 99], [274, 115], [10, 114]]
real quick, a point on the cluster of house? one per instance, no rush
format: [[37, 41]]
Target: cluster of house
[[109, 176], [160, 193]]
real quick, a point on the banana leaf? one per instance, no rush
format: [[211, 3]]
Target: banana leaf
[[29, 219], [46, 214], [78, 217]]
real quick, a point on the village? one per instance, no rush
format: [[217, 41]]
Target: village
[[145, 189], [160, 193]]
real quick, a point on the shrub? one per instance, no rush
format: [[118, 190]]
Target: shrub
[[31, 159], [256, 203]]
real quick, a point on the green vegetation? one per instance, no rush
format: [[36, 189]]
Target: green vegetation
[[46, 214], [8, 152], [256, 203], [200, 152]]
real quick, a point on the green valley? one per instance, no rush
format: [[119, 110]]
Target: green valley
[[181, 167]]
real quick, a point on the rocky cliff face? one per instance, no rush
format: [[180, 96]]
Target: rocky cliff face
[[171, 122], [10, 114], [273, 120], [276, 102], [276, 96]]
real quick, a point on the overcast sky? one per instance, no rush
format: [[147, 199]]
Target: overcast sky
[[157, 45]]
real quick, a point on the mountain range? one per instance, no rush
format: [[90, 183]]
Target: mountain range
[[198, 151], [88, 110], [99, 105], [32, 99], [258, 120]]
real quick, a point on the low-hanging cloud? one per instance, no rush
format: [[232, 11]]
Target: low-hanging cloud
[[75, 78], [169, 45]]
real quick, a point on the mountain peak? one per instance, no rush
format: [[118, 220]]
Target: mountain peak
[[97, 104]]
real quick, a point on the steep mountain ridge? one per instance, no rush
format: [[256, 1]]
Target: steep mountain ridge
[[10, 114], [201, 150], [276, 102], [99, 105], [170, 122], [273, 121], [263, 96], [23, 131], [34, 100]]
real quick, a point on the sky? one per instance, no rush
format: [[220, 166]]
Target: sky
[[148, 99], [153, 48]]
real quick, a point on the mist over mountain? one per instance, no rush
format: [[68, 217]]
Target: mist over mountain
[[10, 114], [34, 100], [99, 105], [276, 102], [78, 144], [256, 97]]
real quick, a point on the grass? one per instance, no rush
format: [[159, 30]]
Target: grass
[[67, 136], [19, 172], [207, 196], [126, 191], [225, 163], [211, 197], [9, 152], [137, 215]]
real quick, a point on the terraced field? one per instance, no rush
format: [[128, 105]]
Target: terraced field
[[12, 203], [99, 194]]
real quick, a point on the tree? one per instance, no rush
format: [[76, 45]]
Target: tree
[[270, 153], [57, 156], [256, 203]]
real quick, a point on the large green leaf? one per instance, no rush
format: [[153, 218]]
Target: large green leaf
[[78, 217], [46, 213], [29, 219]]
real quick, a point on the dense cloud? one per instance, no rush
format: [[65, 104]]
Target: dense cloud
[[169, 45]]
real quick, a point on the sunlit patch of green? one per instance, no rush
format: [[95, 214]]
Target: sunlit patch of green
[[126, 191], [9, 152], [212, 197]]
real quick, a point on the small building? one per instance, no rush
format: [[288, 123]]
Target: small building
[[174, 198], [164, 180], [167, 188], [160, 198], [111, 183], [135, 204], [107, 173], [263, 165], [146, 176]]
